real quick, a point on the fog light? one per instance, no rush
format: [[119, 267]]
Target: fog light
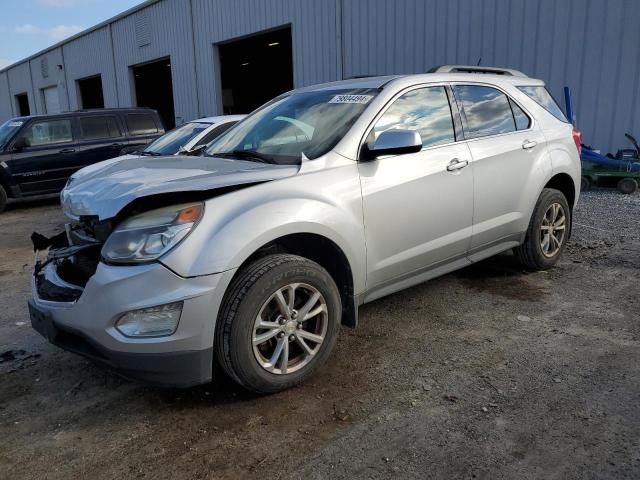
[[151, 322]]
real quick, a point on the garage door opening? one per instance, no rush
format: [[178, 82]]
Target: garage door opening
[[90, 92], [22, 102], [255, 69], [154, 89]]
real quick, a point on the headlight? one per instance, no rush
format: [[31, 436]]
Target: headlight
[[147, 236]]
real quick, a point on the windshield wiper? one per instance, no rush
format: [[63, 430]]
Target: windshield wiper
[[148, 153], [246, 155]]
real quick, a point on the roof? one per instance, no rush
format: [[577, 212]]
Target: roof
[[379, 82], [82, 112], [100, 25]]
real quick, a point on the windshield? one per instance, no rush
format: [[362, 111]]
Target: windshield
[[309, 123], [8, 129], [170, 143]]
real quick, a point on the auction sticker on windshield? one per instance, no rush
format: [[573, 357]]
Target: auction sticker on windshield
[[351, 99], [15, 124]]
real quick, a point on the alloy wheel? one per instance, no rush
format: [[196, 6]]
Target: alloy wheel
[[553, 230], [290, 328]]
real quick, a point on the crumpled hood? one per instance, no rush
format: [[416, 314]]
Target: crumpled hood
[[106, 191]]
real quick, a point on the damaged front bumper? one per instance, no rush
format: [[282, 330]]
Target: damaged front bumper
[[82, 318]]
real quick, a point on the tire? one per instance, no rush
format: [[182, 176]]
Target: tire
[[585, 184], [627, 186], [531, 254], [3, 199], [254, 292]]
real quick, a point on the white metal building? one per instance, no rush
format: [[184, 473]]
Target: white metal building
[[191, 58]]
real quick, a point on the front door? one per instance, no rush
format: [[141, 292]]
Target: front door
[[417, 208], [47, 157]]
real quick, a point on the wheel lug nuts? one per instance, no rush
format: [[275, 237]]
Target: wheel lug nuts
[[281, 335], [282, 321], [291, 338], [299, 326]]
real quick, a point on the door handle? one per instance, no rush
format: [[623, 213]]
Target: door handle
[[457, 164], [529, 144], [67, 150]]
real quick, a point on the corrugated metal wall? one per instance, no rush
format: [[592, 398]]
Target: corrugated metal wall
[[6, 110], [591, 45], [54, 78], [166, 39], [19, 78], [314, 28], [88, 56]]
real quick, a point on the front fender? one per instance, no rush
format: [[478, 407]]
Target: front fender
[[238, 224]]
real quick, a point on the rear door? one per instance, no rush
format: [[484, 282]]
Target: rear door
[[100, 138], [507, 150], [48, 159], [417, 207]]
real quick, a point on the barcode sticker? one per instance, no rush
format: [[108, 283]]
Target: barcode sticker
[[351, 99], [15, 124]]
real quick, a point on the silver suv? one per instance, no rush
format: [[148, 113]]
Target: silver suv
[[253, 254]]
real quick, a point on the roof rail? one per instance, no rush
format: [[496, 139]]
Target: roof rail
[[476, 69]]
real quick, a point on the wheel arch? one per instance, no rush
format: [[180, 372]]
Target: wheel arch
[[564, 183], [324, 252]]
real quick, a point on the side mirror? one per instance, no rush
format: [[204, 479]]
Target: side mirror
[[394, 142], [20, 144]]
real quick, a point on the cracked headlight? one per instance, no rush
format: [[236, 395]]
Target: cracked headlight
[[147, 236]]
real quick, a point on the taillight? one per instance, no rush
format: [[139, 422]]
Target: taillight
[[577, 139]]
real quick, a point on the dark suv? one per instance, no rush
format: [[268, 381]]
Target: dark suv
[[39, 153]]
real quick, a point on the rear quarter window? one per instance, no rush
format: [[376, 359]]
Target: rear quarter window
[[141, 124], [542, 97]]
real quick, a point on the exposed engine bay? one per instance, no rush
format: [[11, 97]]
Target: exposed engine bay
[[72, 259]]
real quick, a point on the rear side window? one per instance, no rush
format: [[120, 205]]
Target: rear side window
[[425, 110], [522, 119], [487, 111], [141, 124], [95, 128], [542, 97], [48, 133]]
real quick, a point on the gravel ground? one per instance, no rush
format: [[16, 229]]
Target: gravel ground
[[489, 372]]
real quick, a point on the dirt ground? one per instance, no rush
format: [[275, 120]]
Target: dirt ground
[[489, 372]]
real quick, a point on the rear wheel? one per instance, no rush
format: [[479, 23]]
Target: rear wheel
[[279, 321], [627, 186], [3, 199], [585, 184], [548, 231]]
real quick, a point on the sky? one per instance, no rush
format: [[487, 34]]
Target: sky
[[28, 26]]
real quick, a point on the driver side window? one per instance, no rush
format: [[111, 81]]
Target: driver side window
[[425, 110], [48, 133]]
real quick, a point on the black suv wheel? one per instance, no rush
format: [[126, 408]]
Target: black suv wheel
[[3, 199]]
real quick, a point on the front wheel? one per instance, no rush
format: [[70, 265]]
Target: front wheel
[[548, 231], [279, 322], [3, 199]]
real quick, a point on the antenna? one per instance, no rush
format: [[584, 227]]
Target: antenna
[[479, 62]]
